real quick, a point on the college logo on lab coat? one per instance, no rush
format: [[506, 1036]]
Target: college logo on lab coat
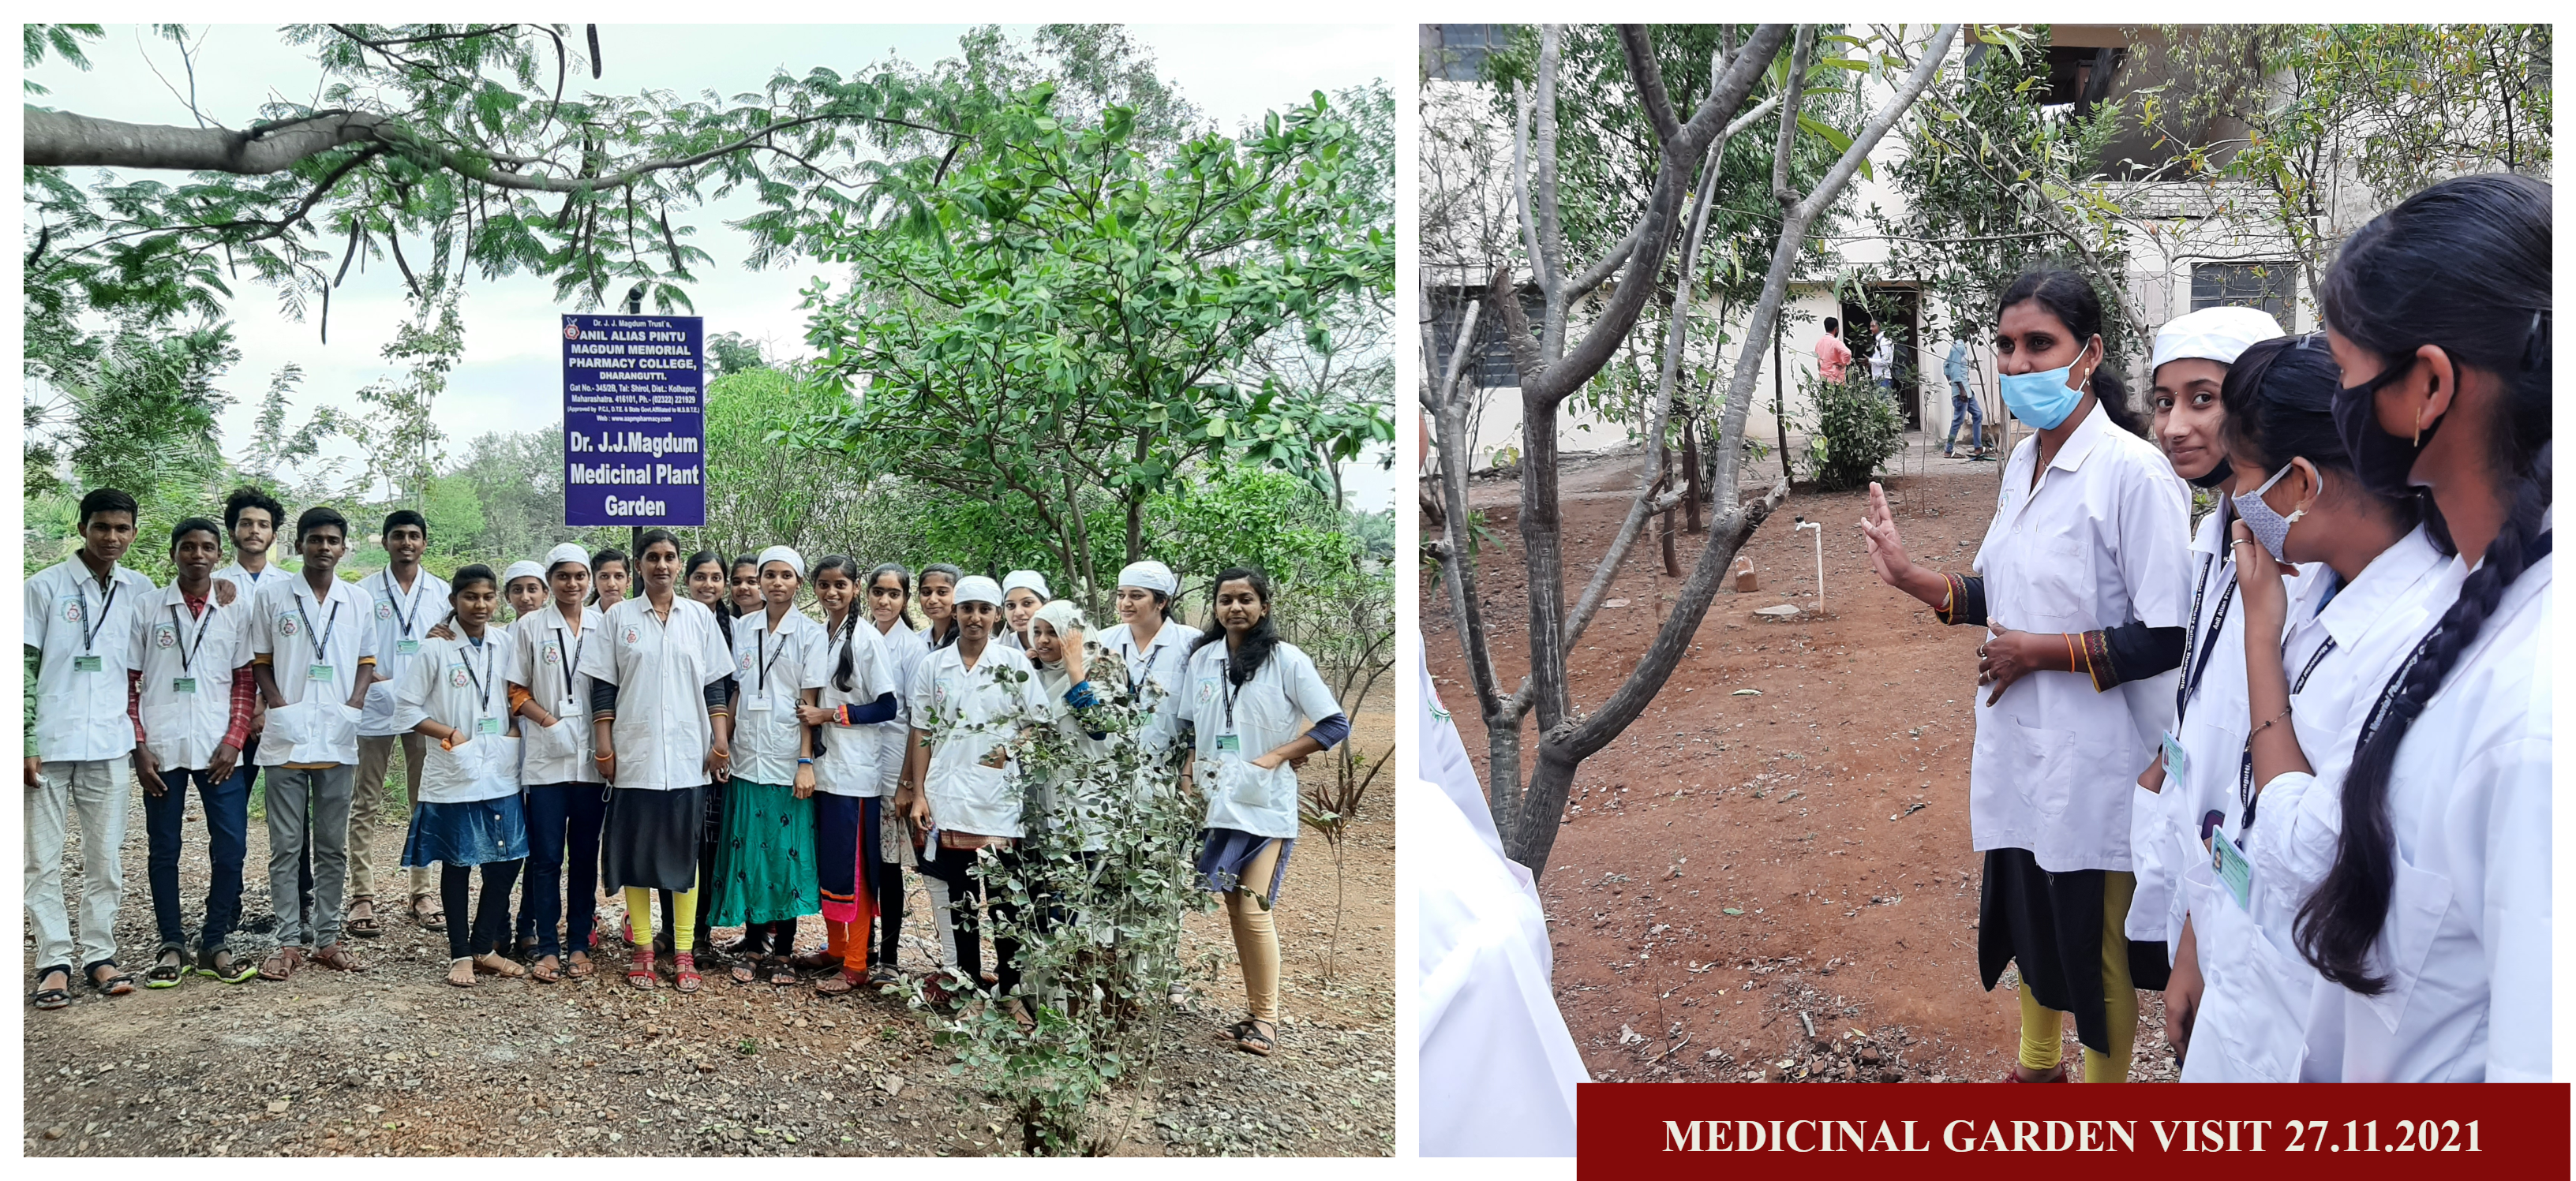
[[1207, 690], [632, 635], [554, 653], [164, 636], [72, 611], [286, 625], [456, 675], [384, 608]]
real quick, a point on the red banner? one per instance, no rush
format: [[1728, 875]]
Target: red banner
[[2281, 1132]]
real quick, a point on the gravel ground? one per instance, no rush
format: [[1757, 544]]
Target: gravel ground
[[392, 1061]]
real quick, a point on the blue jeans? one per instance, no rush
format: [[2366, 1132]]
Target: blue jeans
[[563, 825], [1963, 406], [227, 807]]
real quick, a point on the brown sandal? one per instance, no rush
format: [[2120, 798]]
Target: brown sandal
[[578, 966], [337, 958], [493, 963], [543, 971], [468, 974], [837, 984], [281, 963]]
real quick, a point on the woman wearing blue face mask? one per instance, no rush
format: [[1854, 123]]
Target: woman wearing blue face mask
[[2090, 545], [2431, 922], [2311, 653]]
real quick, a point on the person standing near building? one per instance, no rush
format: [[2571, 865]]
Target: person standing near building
[[1882, 362], [192, 706], [313, 652], [408, 601], [79, 648], [1963, 404], [1833, 357]]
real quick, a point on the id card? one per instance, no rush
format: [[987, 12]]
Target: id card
[[487, 725], [318, 673], [407, 647], [2177, 763], [88, 664], [1228, 744], [2234, 872], [183, 684], [757, 703]]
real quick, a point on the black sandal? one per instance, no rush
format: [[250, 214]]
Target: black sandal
[[116, 985], [166, 975], [53, 998], [1253, 1041]]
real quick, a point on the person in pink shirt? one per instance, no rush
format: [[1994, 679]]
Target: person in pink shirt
[[1832, 355]]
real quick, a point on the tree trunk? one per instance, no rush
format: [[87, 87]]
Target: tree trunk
[[1690, 473]]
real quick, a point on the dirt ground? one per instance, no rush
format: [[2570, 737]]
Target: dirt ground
[[1805, 906], [393, 1062]]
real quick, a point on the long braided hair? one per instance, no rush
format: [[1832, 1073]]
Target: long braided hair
[[2387, 294]]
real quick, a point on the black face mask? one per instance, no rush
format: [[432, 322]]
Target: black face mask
[[2216, 476], [2381, 461]]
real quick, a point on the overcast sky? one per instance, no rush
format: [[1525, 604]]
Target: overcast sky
[[510, 378]]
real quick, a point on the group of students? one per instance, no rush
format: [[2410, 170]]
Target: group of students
[[2291, 768], [645, 724]]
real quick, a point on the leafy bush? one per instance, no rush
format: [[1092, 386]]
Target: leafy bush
[[1852, 430]]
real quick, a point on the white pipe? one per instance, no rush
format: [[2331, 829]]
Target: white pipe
[[1804, 523]]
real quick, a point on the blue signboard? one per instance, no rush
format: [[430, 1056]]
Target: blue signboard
[[635, 418]]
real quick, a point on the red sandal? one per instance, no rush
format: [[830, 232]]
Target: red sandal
[[684, 968], [639, 969]]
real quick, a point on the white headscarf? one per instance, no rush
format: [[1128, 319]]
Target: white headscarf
[[1150, 575], [975, 588], [569, 551], [1026, 578], [519, 570], [2212, 334], [779, 553]]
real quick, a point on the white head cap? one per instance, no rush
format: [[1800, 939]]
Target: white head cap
[[519, 570], [1026, 578], [779, 553], [1150, 575], [569, 551], [2214, 334], [975, 588]]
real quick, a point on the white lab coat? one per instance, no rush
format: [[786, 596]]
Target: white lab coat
[[2104, 540], [2211, 728], [462, 684], [904, 651], [661, 669], [314, 645], [1154, 670], [1446, 766], [969, 713], [771, 670], [247, 585], [183, 729], [2467, 946], [853, 758], [80, 715], [2257, 989], [402, 618], [1263, 715], [1495, 1068], [549, 655]]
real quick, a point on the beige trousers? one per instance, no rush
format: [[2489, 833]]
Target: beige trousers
[[375, 757]]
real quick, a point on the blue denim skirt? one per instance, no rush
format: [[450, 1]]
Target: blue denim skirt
[[467, 834]]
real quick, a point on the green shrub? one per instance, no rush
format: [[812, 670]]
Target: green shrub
[[1852, 430]]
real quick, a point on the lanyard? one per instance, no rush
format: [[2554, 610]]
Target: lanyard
[[2217, 623], [2245, 765], [482, 696], [760, 639], [188, 652], [91, 627], [1229, 689], [578, 640], [320, 640], [401, 620]]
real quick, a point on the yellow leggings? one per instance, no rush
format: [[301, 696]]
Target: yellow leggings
[[1256, 941], [684, 918], [2043, 1030]]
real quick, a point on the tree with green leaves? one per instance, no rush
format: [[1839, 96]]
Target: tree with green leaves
[[1059, 310]]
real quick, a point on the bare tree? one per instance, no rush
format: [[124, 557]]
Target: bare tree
[[1528, 813]]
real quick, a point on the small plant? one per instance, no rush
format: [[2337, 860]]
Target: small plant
[[1852, 429]]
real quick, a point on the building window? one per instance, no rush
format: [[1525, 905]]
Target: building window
[[2268, 286], [2081, 75], [1490, 366], [1456, 53]]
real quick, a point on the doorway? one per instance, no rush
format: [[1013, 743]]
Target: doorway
[[1897, 311]]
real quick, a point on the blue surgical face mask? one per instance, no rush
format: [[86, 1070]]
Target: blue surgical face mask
[[2271, 530], [2042, 399]]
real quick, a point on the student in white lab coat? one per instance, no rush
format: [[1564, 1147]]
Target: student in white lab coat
[[765, 865], [1146, 639], [191, 703], [1245, 689], [457, 695], [2432, 919], [939, 606], [524, 585], [1023, 592], [2090, 544], [611, 576], [252, 518], [969, 702], [313, 653], [409, 600], [79, 649], [2312, 653], [661, 725], [847, 718], [2193, 353], [883, 846], [566, 802]]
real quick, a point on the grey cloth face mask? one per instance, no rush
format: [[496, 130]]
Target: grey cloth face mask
[[2271, 530]]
